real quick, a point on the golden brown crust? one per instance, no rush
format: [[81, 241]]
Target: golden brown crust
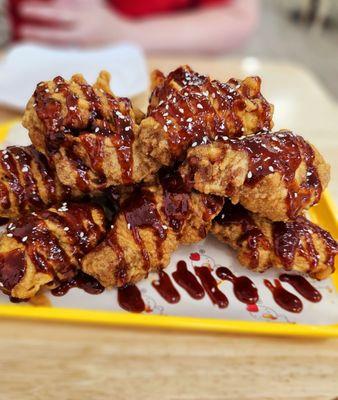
[[186, 107], [149, 227], [47, 246], [88, 134], [28, 183], [261, 244], [277, 175]]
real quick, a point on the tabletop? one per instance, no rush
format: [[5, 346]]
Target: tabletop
[[65, 361]]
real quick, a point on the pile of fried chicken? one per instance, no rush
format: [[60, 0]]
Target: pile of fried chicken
[[109, 191]]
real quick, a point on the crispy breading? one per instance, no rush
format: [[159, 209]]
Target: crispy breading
[[297, 245], [87, 133], [151, 224], [277, 175], [46, 247], [28, 183], [187, 108]]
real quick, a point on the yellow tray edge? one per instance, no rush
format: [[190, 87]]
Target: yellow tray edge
[[325, 213]]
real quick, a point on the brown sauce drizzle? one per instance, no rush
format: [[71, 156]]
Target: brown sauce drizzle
[[176, 198], [12, 268], [130, 299], [209, 283], [283, 298], [237, 214], [302, 286], [282, 152], [81, 281], [42, 245], [164, 286], [244, 289], [188, 281], [116, 123], [298, 237], [194, 109], [23, 168], [140, 212]]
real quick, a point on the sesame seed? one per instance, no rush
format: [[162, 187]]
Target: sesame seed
[[10, 235], [66, 228], [181, 110], [189, 119], [24, 239], [6, 156], [72, 108], [199, 105], [249, 175], [127, 128], [96, 129], [194, 144], [128, 225], [24, 168], [81, 234], [271, 168], [164, 227], [165, 128]]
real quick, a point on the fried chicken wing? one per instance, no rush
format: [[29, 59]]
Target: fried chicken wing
[[277, 175], [28, 183], [87, 133], [297, 245], [152, 222], [46, 247], [187, 108]]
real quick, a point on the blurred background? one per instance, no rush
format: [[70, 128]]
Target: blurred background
[[300, 31]]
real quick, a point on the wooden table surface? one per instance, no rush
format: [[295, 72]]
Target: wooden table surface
[[41, 360]]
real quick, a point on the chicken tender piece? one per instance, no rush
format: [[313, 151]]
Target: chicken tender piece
[[187, 108], [276, 175], [297, 245], [87, 133], [46, 247], [28, 183], [152, 222]]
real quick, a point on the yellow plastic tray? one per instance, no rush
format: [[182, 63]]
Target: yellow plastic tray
[[325, 214]]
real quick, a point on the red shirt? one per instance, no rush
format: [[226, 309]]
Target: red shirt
[[129, 8]]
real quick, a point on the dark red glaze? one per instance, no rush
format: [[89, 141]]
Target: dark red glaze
[[188, 281], [130, 299], [140, 212], [81, 281], [184, 105], [302, 286], [3, 221], [176, 198], [282, 152], [42, 244], [210, 285], [298, 237], [244, 289], [12, 268], [166, 288], [283, 298], [111, 125], [251, 234], [23, 166]]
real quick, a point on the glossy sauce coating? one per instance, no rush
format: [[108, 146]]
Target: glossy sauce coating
[[12, 268], [237, 214], [164, 286], [188, 281], [281, 152], [209, 283], [298, 237], [114, 124], [42, 245], [192, 109], [130, 299], [81, 281], [283, 298], [303, 287], [244, 289], [21, 183], [140, 212], [175, 198]]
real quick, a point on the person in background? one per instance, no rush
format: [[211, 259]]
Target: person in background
[[209, 26]]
